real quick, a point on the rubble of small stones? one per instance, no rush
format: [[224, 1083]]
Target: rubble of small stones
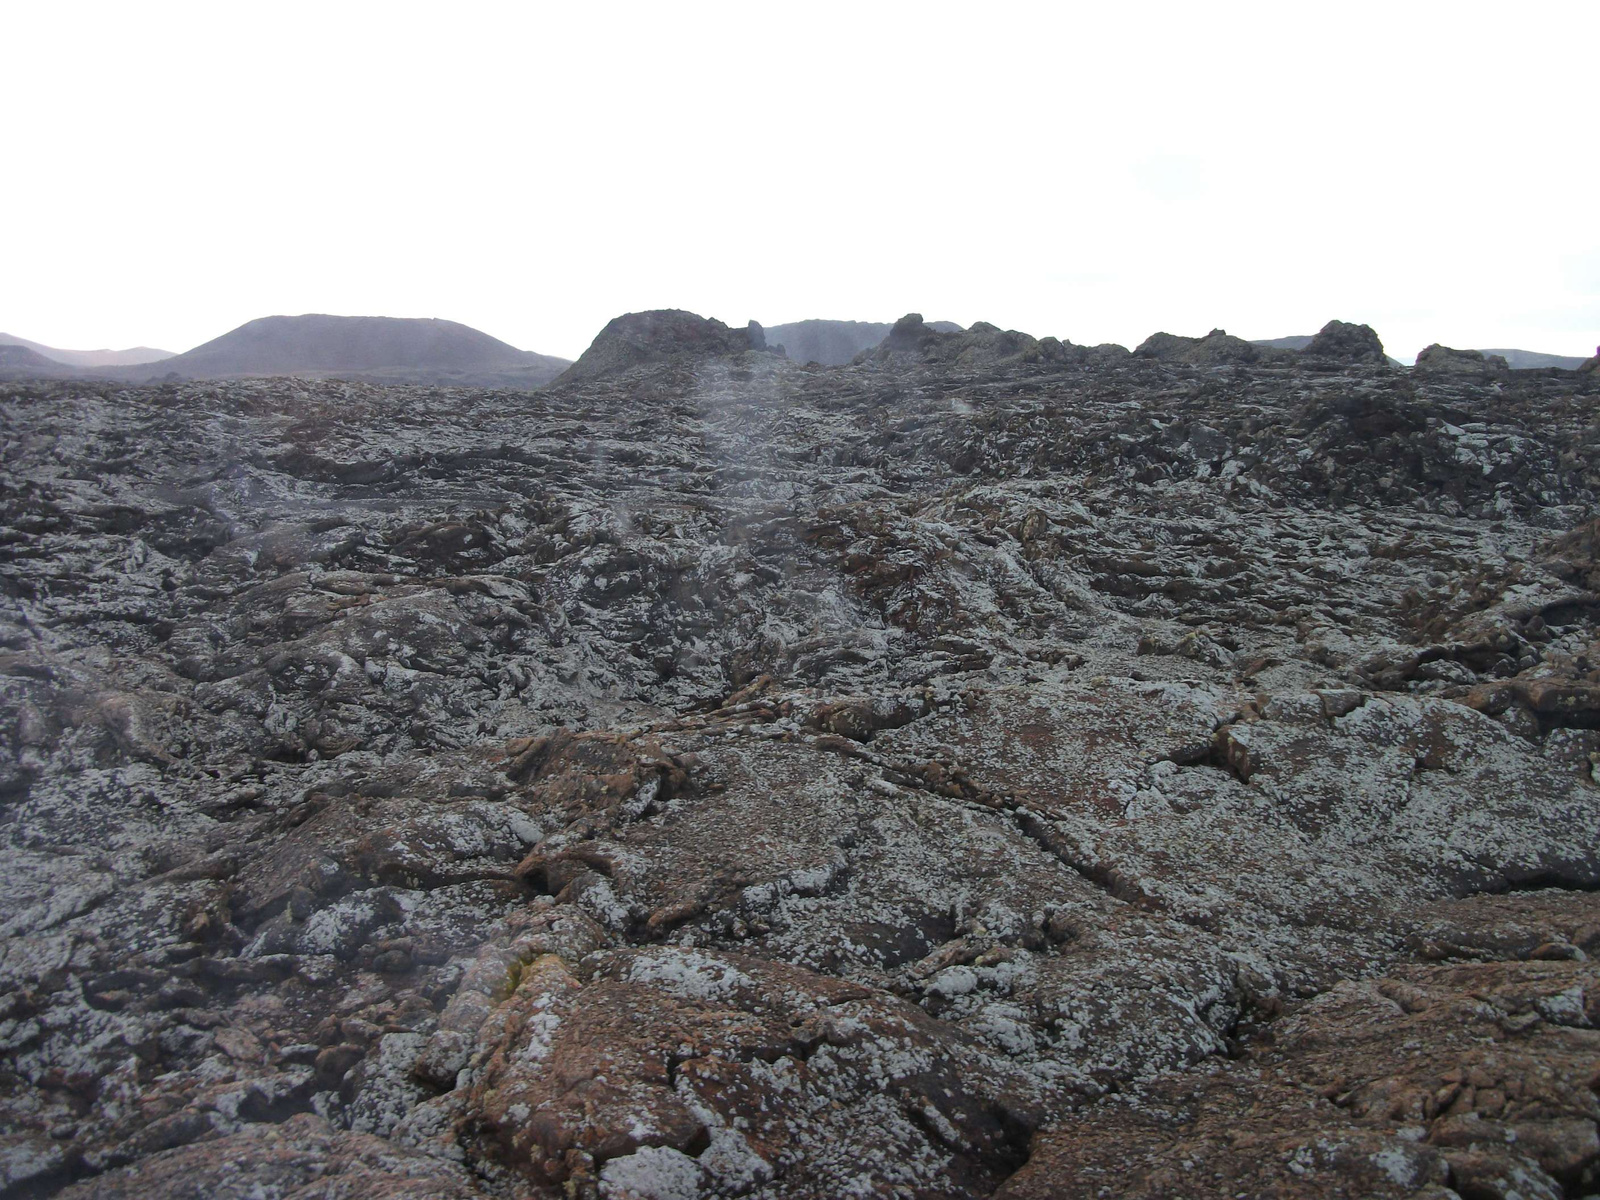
[[993, 767]]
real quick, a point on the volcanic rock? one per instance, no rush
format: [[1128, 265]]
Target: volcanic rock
[[985, 768], [1343, 342], [303, 1156], [1216, 348], [1493, 1097], [1516, 360], [982, 346], [664, 334], [912, 335], [1442, 360]]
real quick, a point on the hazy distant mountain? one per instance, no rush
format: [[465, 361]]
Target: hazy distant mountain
[[382, 349], [1298, 342], [91, 358], [834, 343], [18, 361], [1523, 360]]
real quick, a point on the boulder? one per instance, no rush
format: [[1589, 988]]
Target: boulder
[[1465, 364], [1215, 349], [1340, 341], [911, 334], [634, 339]]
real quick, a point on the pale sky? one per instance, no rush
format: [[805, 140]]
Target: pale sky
[[1092, 171]]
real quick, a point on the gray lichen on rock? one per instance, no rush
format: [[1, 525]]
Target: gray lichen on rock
[[993, 764]]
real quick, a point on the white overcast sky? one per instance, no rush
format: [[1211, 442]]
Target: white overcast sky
[[1092, 171]]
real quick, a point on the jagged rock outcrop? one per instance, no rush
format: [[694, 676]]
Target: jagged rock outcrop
[[1591, 365], [1341, 341], [1216, 348], [912, 336], [981, 346], [1442, 360], [663, 334], [961, 772]]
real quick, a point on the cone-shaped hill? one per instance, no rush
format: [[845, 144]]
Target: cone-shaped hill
[[383, 349]]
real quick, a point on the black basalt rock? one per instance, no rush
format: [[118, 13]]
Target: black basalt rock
[[1340, 341]]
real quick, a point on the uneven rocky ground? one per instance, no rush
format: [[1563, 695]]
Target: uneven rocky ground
[[995, 767]]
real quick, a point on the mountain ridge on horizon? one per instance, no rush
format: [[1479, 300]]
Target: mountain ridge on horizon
[[131, 357], [397, 348], [433, 350], [423, 350]]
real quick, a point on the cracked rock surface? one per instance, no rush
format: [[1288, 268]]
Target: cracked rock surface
[[995, 767]]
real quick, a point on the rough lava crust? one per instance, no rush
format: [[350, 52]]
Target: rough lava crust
[[994, 767]]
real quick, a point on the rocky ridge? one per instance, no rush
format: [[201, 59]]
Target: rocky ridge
[[993, 767], [1516, 360], [657, 336]]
